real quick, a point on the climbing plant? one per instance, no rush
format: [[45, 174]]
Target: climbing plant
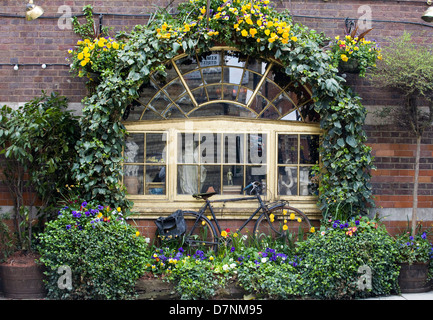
[[255, 28]]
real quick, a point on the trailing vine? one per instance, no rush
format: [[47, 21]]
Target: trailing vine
[[257, 30]]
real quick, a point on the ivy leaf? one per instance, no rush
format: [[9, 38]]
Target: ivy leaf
[[351, 141]]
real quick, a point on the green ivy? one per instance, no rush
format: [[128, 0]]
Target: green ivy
[[346, 159]]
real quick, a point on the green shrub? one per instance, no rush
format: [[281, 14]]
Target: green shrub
[[332, 258], [105, 254]]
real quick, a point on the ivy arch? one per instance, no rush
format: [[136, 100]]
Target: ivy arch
[[346, 160]]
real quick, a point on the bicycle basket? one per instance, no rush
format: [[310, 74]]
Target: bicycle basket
[[172, 226]]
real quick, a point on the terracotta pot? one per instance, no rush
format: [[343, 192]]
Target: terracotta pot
[[413, 277]]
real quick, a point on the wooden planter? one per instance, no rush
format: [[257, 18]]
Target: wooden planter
[[413, 278], [158, 289]]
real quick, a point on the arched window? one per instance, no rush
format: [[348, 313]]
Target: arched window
[[219, 121]]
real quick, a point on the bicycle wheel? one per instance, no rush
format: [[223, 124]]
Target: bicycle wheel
[[200, 233], [286, 224]]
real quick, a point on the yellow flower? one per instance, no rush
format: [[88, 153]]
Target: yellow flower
[[344, 57], [203, 10], [292, 216], [244, 33], [101, 42], [84, 62], [203, 223], [253, 32], [186, 28], [312, 230], [224, 233], [299, 220], [269, 24], [294, 39], [259, 22], [285, 227], [249, 21], [80, 56], [119, 209], [272, 217], [211, 258], [267, 32], [137, 233]]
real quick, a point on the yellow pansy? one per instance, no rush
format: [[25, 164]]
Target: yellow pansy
[[312, 230], [253, 32], [344, 57], [285, 227], [294, 39], [292, 216], [203, 10], [244, 33], [80, 56], [267, 32]]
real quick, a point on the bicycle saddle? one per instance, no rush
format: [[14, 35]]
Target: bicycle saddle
[[204, 195]]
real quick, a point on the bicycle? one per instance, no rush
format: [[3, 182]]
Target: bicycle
[[277, 219]]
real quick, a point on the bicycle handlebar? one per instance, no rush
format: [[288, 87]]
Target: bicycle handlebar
[[254, 184]]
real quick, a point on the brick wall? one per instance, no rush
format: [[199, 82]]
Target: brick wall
[[43, 41]]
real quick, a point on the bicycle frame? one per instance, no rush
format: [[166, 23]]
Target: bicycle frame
[[262, 206]]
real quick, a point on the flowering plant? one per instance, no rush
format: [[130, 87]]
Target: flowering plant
[[413, 249], [94, 56], [105, 254], [355, 51]]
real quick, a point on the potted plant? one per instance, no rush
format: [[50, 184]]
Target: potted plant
[[414, 258], [353, 53], [37, 141]]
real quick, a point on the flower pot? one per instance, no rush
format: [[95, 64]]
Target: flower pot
[[413, 277], [23, 280]]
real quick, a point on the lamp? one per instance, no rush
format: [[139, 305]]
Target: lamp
[[33, 11], [428, 15]]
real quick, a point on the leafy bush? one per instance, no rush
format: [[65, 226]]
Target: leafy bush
[[332, 259], [105, 254]]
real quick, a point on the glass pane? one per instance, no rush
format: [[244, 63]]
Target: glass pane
[[188, 179], [270, 113], [230, 92], [283, 104], [214, 92], [269, 90], [212, 75], [256, 148], [199, 96], [193, 79], [287, 181], [223, 109], [185, 103], [256, 173], [233, 148], [133, 178], [292, 116], [210, 148], [175, 89], [150, 114], [233, 75], [309, 153], [210, 179], [287, 149], [155, 180], [308, 184], [155, 147], [258, 103], [134, 148], [234, 58], [233, 179], [210, 59], [173, 112], [186, 64], [187, 144], [244, 95], [159, 103], [256, 65], [252, 81]]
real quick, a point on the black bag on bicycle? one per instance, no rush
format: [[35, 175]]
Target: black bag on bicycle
[[172, 226]]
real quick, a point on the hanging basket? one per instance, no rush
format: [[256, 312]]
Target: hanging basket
[[350, 66]]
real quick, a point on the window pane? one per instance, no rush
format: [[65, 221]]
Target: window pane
[[230, 92], [256, 173], [155, 180], [175, 89], [233, 179], [287, 180], [210, 179], [309, 145], [134, 148], [159, 103], [287, 149], [187, 144], [256, 148], [155, 147], [222, 109], [186, 64], [233, 75], [188, 179], [233, 147], [133, 178], [210, 148]]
